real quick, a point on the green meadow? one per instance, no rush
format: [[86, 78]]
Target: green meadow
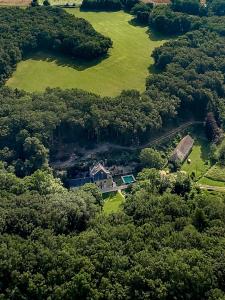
[[126, 66], [199, 159], [113, 203]]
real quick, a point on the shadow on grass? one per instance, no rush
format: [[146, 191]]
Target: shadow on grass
[[134, 22], [65, 61], [153, 70], [201, 140]]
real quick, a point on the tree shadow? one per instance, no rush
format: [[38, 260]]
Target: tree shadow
[[202, 141], [153, 70], [136, 23], [63, 60], [155, 35]]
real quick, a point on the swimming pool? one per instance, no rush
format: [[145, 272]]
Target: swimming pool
[[128, 179]]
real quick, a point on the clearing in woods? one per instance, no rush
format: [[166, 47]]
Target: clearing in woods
[[113, 203], [126, 66]]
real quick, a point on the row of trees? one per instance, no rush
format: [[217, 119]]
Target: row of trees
[[182, 16], [25, 30]]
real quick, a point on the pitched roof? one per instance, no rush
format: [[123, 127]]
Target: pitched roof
[[183, 149], [97, 168]]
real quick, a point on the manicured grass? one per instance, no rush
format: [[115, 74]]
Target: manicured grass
[[210, 182], [217, 172], [199, 158], [113, 203], [126, 67]]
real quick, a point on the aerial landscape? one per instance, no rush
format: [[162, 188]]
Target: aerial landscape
[[112, 149]]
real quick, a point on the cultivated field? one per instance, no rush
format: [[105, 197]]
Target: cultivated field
[[126, 67], [15, 2]]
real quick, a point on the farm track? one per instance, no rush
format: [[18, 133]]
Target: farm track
[[212, 188], [109, 146], [153, 142]]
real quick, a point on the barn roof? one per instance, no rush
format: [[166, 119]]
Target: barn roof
[[183, 149]]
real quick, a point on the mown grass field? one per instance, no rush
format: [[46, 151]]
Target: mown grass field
[[125, 68], [211, 182], [215, 176], [113, 203], [199, 156]]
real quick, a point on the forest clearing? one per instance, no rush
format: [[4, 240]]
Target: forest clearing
[[121, 69]]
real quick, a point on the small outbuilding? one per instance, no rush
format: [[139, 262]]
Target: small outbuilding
[[182, 150]]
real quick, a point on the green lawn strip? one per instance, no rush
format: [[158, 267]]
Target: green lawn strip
[[199, 157], [217, 173], [113, 203], [126, 66], [210, 182]]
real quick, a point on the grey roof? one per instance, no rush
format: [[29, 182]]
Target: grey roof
[[97, 168], [79, 182], [183, 149]]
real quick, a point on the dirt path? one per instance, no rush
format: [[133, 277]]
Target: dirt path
[[212, 188], [104, 147]]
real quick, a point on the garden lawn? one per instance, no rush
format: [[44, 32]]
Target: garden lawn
[[126, 67], [113, 203], [199, 158], [217, 172], [211, 182]]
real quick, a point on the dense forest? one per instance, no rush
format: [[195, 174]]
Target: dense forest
[[25, 30], [31, 124], [192, 76], [168, 242]]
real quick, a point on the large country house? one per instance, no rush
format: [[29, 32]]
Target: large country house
[[98, 175]]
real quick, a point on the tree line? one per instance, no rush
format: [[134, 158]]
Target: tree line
[[190, 83], [31, 125], [25, 30], [181, 16], [108, 5]]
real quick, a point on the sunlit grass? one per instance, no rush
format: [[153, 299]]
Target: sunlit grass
[[126, 67], [113, 203]]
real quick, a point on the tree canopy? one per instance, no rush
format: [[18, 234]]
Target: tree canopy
[[26, 30]]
